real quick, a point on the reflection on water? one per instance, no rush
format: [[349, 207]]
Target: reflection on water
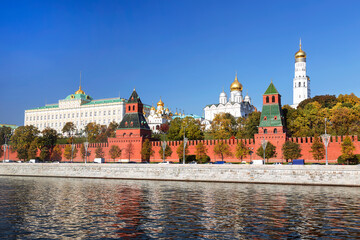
[[85, 208]]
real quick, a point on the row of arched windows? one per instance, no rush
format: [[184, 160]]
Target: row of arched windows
[[268, 99], [265, 131]]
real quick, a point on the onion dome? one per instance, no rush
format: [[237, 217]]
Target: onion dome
[[300, 53], [160, 103], [152, 108], [223, 94], [236, 85], [80, 91], [247, 98]]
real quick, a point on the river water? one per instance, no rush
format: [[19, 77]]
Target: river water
[[57, 208]]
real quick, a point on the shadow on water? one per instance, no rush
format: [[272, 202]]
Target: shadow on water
[[111, 209]]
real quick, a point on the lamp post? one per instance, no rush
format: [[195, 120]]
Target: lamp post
[[164, 148], [86, 145], [263, 144], [72, 150], [185, 141], [326, 139]]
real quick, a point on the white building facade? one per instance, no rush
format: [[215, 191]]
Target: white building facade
[[236, 105], [77, 108], [158, 116], [301, 82]]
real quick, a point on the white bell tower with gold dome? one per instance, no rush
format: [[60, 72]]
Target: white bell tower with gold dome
[[301, 82]]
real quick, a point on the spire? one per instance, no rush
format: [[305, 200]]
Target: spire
[[300, 44], [80, 91]]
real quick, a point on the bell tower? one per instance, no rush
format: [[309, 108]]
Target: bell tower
[[301, 82]]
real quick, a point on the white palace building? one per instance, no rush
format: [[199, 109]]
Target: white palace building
[[236, 105], [78, 108]]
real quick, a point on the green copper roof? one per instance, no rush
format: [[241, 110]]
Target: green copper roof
[[46, 107], [78, 96], [101, 101], [271, 90], [272, 113], [9, 125]]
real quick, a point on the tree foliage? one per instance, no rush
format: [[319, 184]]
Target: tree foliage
[[5, 132], [270, 151], [99, 152], [223, 126], [168, 151], [56, 154], [22, 139], [193, 129], [201, 152], [347, 149], [67, 152], [146, 150], [291, 150], [114, 152], [129, 150], [317, 149], [241, 150], [69, 129], [247, 127], [222, 149], [180, 151]]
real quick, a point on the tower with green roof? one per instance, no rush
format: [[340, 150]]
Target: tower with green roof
[[271, 126]]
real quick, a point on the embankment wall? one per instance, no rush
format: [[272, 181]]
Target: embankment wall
[[271, 174]]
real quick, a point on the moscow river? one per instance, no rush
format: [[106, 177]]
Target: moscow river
[[58, 208]]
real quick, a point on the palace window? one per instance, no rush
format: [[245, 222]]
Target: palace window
[[114, 112]]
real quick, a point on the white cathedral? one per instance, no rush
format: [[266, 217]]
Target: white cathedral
[[236, 105], [301, 83]]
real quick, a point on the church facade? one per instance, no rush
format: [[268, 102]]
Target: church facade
[[236, 104]]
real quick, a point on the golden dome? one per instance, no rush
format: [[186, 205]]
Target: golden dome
[[80, 91], [152, 108], [236, 85], [300, 53], [160, 103]]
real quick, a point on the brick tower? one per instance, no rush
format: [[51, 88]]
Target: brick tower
[[133, 129], [271, 126]]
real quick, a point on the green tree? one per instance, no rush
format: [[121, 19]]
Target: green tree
[[174, 129], [180, 151], [67, 152], [247, 127], [56, 154], [129, 150], [111, 129], [201, 152], [146, 150], [347, 149], [22, 138], [270, 151], [222, 149], [114, 152], [223, 126], [45, 154], [317, 149], [33, 149], [325, 101], [193, 129], [83, 152], [99, 153], [4, 132], [291, 150], [69, 128], [168, 151], [48, 141], [241, 150]]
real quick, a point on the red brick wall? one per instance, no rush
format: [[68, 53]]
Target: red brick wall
[[334, 149]]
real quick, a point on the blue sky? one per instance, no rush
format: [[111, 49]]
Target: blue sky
[[183, 51]]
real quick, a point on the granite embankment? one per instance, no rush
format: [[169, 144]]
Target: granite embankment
[[273, 174]]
